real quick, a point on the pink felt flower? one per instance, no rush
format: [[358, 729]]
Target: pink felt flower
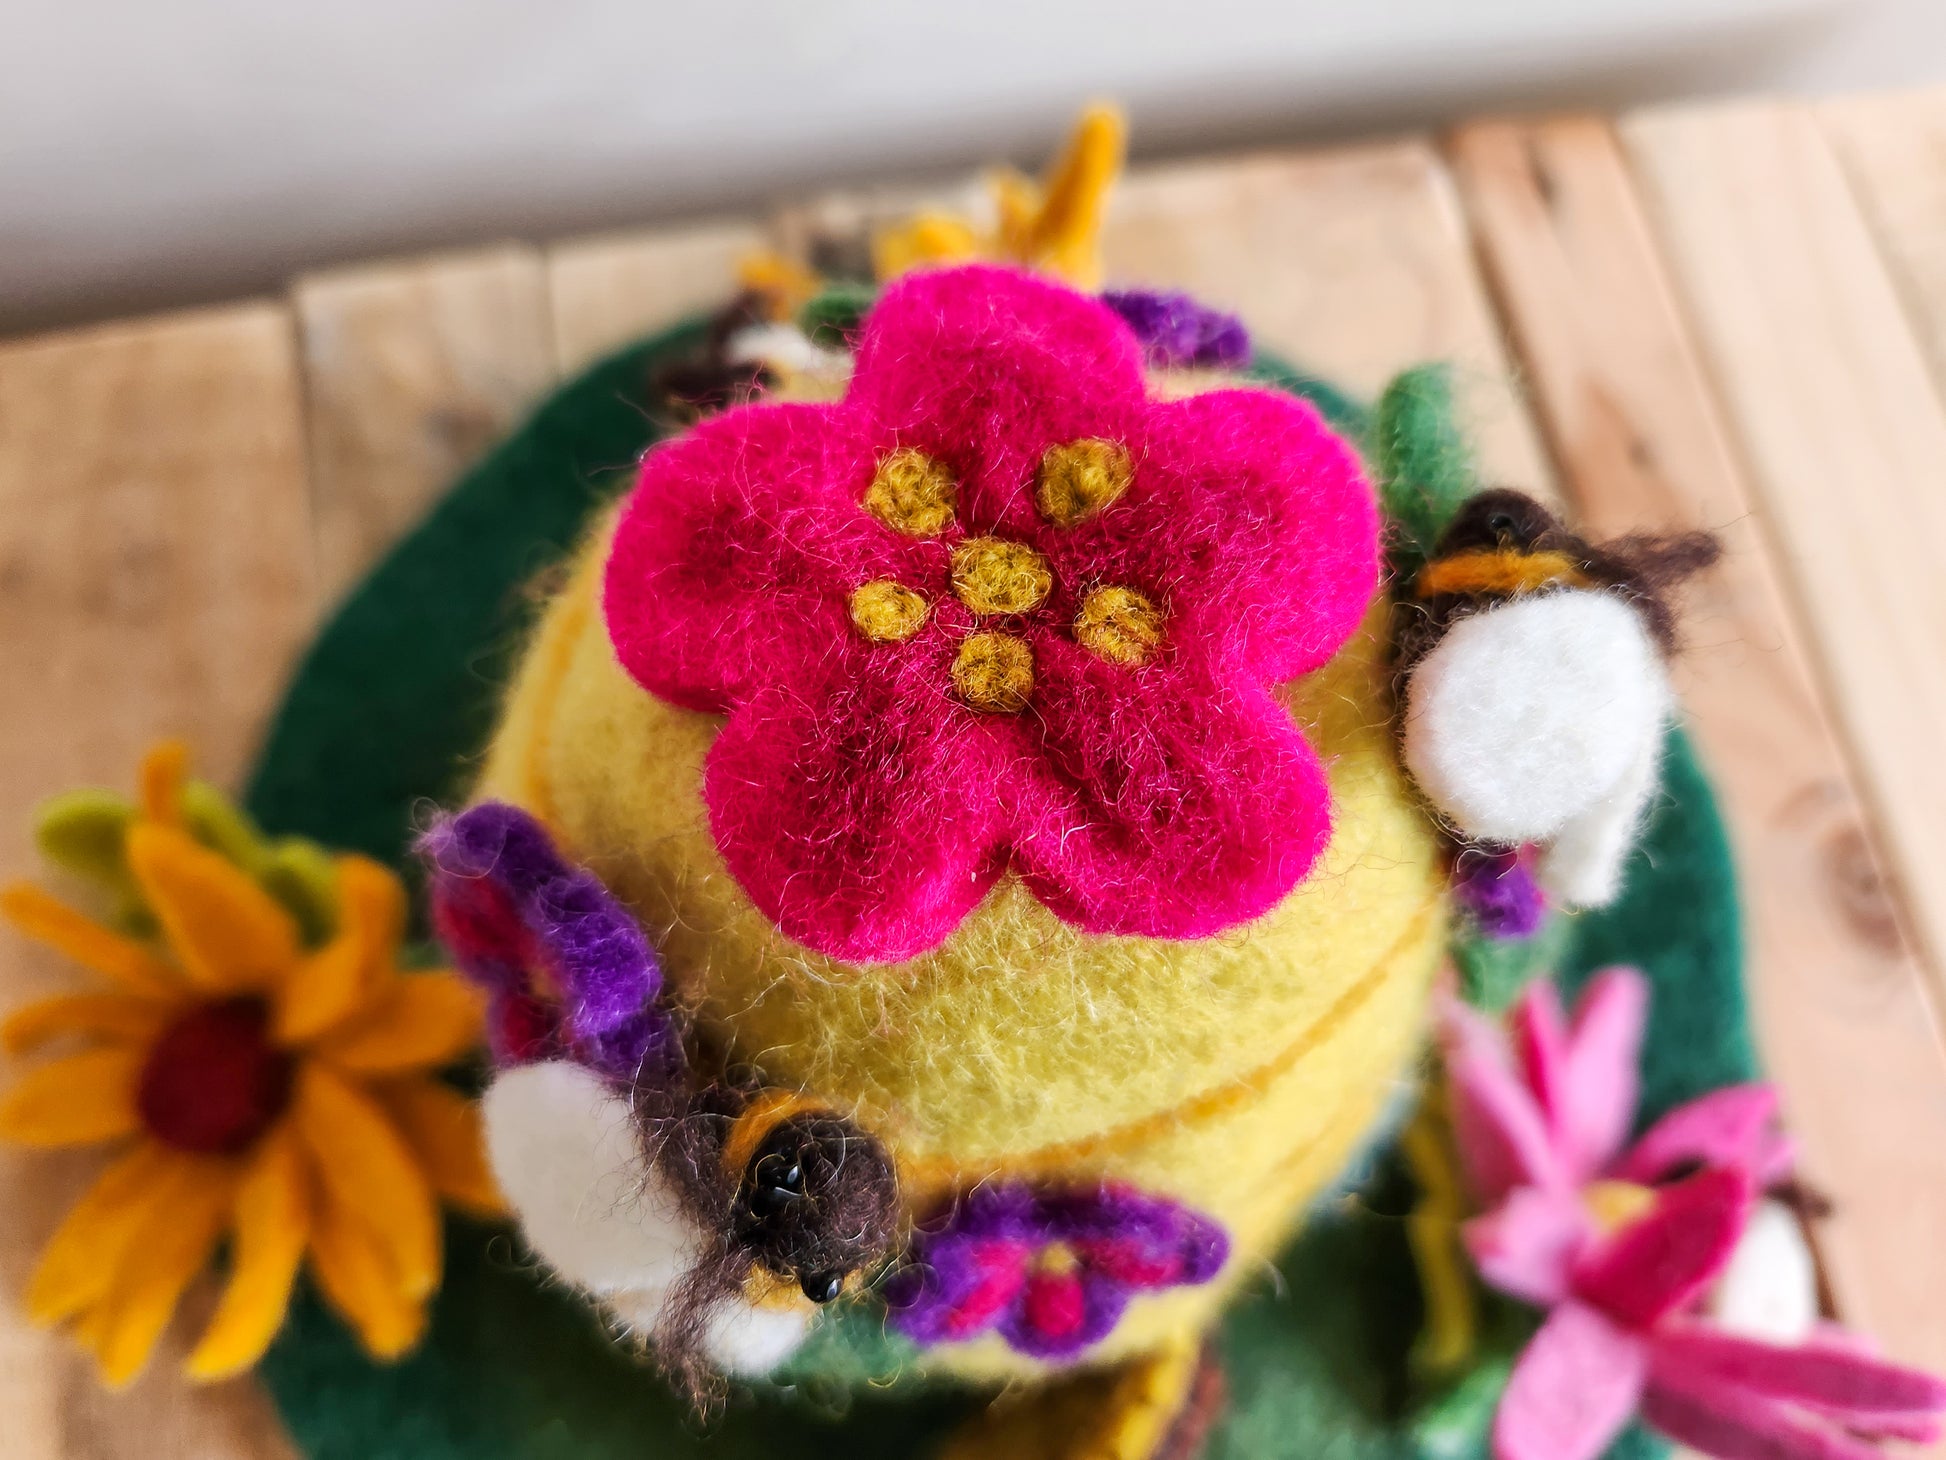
[[999, 609], [1622, 1245]]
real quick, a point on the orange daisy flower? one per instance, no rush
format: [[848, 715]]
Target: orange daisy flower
[[279, 1096]]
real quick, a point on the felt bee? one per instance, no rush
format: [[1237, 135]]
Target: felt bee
[[1536, 687]]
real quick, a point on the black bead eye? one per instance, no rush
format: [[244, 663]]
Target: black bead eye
[[821, 1287], [1503, 527], [775, 1181]]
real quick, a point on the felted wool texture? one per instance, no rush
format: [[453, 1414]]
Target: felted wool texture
[[1529, 715], [389, 710], [865, 807], [1246, 1065]]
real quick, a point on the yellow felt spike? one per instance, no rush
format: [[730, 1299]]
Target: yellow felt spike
[[366, 1169], [929, 238], [159, 782], [423, 1021], [228, 933], [150, 1279], [76, 1101], [271, 1222], [80, 1257], [120, 960], [443, 1128], [1451, 1333], [1017, 201], [108, 1017], [339, 979], [784, 282], [1066, 234], [360, 1284]]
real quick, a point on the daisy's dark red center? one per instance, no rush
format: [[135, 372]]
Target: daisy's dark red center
[[214, 1082]]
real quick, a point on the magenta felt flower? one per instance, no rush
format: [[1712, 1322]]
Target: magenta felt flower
[[1051, 1271], [998, 609], [1621, 1246]]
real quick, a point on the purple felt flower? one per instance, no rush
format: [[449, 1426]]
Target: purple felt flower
[[1499, 889], [1177, 332], [567, 968], [1050, 1270]]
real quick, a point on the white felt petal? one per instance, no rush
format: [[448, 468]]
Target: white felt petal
[[1527, 715], [1769, 1291], [1582, 867], [787, 347], [750, 1341], [564, 1148]]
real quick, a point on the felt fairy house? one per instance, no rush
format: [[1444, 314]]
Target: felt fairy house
[[1040, 884]]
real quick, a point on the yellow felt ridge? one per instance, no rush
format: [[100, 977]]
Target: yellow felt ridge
[[1501, 571], [1450, 1336]]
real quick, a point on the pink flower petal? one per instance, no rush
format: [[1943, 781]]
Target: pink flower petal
[[1526, 1246], [861, 809], [1602, 1080], [1502, 1136], [736, 555], [1539, 1032], [1251, 522], [1572, 1390], [1734, 1424], [1839, 1381], [1664, 1261], [985, 368], [1163, 805], [1733, 1127]]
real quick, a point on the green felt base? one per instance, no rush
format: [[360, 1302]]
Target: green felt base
[[396, 697]]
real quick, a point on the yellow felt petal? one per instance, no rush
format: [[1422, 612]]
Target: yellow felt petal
[[76, 1264], [75, 1101], [120, 960], [336, 981], [365, 1167], [160, 781], [425, 1020], [174, 1246], [1066, 234], [228, 933], [358, 1281], [270, 1224], [443, 1127], [108, 1017]]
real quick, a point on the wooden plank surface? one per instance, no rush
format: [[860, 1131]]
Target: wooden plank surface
[[1829, 398], [1843, 1010], [155, 579], [412, 371], [1893, 149], [1353, 263], [605, 292]]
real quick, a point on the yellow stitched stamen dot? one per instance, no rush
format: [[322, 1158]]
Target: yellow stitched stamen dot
[[911, 493], [1080, 478], [886, 612], [992, 575], [1615, 1204], [994, 672], [1122, 625]]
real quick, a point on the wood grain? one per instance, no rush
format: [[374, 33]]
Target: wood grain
[[1353, 263], [605, 292], [1828, 395], [155, 579], [1844, 1017], [411, 371], [1893, 148]]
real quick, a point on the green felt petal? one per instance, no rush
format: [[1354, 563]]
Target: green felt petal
[[391, 707]]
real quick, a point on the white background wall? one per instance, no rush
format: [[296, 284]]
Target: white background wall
[[162, 151]]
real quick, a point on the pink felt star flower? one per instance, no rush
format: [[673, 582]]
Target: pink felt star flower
[[1621, 1247], [998, 609]]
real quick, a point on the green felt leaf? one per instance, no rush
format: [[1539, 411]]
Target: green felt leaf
[[84, 832], [391, 707], [1422, 461]]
